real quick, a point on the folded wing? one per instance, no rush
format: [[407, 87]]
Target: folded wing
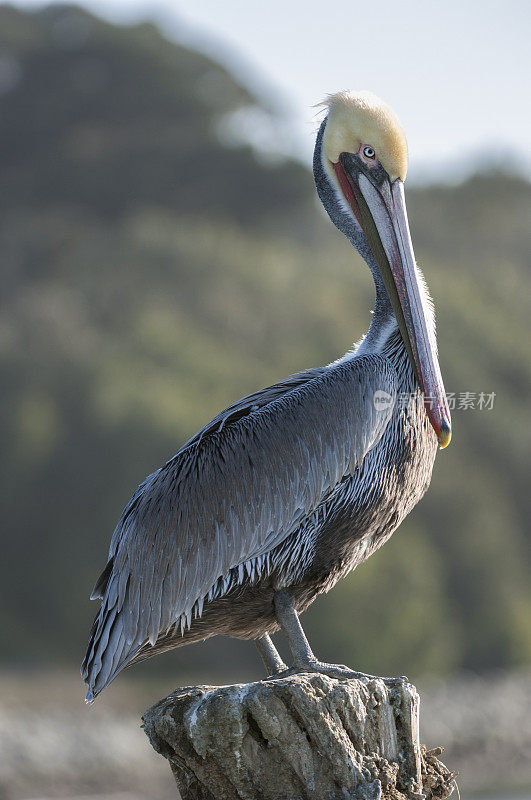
[[233, 492]]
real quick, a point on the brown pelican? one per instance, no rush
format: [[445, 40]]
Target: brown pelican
[[290, 488]]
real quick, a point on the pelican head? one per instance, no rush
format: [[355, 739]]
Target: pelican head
[[360, 165]]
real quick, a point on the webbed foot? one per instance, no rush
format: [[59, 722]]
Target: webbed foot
[[341, 672]]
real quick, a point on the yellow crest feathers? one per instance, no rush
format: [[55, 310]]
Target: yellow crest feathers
[[356, 118]]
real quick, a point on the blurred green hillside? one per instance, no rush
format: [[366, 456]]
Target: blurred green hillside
[[152, 274]]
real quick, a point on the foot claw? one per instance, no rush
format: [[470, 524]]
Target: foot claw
[[283, 673]]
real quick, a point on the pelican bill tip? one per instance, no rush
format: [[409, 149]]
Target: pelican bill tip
[[445, 435]]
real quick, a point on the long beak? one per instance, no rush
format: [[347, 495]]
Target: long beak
[[382, 214]]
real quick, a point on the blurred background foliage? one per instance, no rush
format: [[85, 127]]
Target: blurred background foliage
[[152, 273]]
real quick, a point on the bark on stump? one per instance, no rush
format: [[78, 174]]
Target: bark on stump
[[304, 737]]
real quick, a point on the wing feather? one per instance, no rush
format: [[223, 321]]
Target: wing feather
[[231, 494]]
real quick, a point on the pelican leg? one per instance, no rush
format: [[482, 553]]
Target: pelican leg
[[270, 655], [303, 657]]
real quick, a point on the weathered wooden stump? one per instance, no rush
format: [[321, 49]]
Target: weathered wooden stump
[[303, 737]]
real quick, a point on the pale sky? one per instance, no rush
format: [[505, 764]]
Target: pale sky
[[457, 73]]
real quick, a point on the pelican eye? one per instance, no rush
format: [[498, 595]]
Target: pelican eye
[[369, 152]]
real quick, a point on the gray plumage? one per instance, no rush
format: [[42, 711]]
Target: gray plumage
[[289, 488]]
